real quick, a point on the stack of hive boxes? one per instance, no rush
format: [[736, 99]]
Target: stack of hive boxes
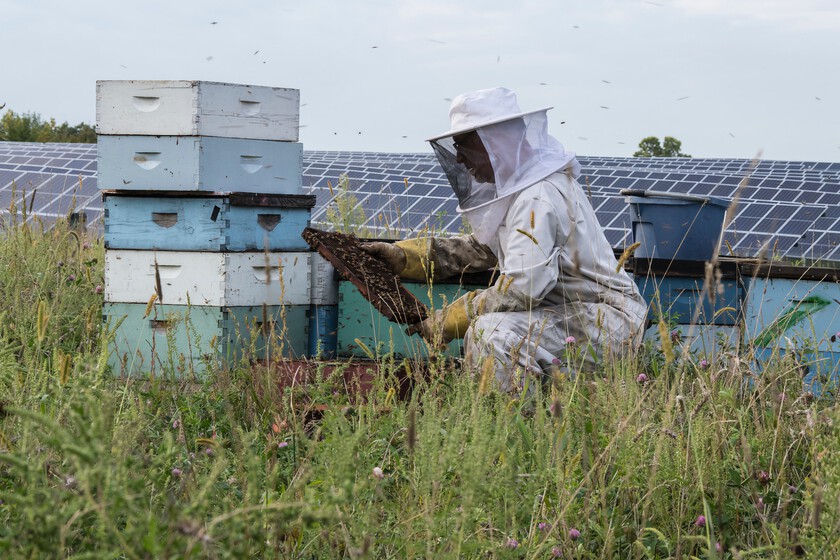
[[203, 214]]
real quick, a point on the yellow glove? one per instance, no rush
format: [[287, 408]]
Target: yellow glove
[[416, 259], [447, 324], [408, 259], [393, 257]]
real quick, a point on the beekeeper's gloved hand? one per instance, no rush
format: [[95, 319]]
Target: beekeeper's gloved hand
[[445, 325], [408, 258], [389, 253]]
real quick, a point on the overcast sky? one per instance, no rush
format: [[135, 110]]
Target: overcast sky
[[729, 78]]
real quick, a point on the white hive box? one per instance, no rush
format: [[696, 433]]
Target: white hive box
[[205, 278], [324, 281], [196, 108]]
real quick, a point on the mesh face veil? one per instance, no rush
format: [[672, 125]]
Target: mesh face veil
[[486, 165]]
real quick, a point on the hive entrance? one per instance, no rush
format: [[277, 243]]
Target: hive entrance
[[375, 281]]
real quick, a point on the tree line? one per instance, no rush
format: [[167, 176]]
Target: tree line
[[30, 127]]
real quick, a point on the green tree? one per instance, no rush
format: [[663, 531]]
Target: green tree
[[30, 127], [651, 147]]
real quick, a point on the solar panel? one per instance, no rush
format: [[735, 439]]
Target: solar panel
[[788, 207]]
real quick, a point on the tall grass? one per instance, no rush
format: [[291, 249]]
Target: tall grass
[[650, 458]]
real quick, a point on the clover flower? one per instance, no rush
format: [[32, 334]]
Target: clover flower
[[641, 378], [378, 474], [574, 534], [511, 543], [176, 472], [700, 521], [570, 340], [283, 444], [704, 364]]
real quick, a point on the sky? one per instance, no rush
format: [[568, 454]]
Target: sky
[[728, 78]]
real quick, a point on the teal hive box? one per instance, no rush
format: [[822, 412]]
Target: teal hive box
[[359, 321], [675, 226], [184, 341]]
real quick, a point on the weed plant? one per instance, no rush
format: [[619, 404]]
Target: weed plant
[[655, 456]]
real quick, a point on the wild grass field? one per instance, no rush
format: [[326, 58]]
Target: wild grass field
[[653, 457]]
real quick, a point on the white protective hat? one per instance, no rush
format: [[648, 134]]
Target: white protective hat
[[483, 107], [519, 148]]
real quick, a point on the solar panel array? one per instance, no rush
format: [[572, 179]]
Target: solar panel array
[[791, 209]]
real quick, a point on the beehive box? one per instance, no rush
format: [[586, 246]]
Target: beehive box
[[323, 331], [194, 108], [187, 340], [207, 222], [324, 281], [198, 163], [205, 278], [359, 322], [679, 297]]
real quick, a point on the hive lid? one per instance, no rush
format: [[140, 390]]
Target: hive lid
[[375, 281], [674, 196]]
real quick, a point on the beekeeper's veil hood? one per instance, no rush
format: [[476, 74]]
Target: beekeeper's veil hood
[[518, 149]]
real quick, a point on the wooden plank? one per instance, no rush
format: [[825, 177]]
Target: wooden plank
[[374, 280]]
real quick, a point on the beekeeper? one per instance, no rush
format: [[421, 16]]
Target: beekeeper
[[558, 283]]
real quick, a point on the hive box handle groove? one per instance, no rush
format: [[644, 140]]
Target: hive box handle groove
[[165, 219], [249, 107], [269, 221], [251, 164], [146, 104]]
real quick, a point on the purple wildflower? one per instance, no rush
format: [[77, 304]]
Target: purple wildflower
[[511, 543], [570, 340], [378, 474], [556, 552], [176, 472], [574, 534], [676, 336], [209, 451], [763, 477], [98, 289], [71, 278], [704, 364], [542, 526], [556, 361], [176, 424], [283, 444], [641, 378], [718, 548], [700, 521]]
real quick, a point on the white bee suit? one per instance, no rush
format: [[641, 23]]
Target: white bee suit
[[534, 223], [558, 279]]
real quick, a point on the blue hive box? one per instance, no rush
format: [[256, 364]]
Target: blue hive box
[[675, 226], [199, 163], [205, 221]]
